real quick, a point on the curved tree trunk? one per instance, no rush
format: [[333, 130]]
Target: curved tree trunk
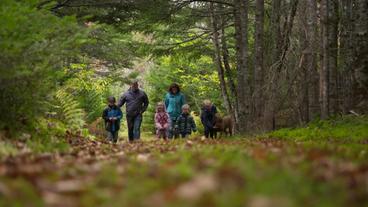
[[217, 59], [228, 72]]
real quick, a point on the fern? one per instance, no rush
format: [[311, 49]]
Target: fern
[[69, 110], [94, 103]]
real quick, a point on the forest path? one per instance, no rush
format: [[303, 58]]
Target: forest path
[[194, 172]]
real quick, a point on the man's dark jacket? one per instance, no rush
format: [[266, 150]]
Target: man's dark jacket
[[136, 102]]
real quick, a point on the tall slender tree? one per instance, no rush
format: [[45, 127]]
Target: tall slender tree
[[346, 55], [332, 24], [311, 58], [258, 60], [324, 71], [241, 38], [217, 57]]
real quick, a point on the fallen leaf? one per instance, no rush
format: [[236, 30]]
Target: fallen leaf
[[142, 157], [195, 188], [69, 186]]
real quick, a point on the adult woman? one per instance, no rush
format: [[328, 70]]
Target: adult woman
[[174, 100]]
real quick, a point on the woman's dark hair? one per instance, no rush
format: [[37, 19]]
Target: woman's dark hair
[[174, 85]]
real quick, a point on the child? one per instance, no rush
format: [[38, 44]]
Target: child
[[185, 122], [112, 116], [162, 121], [208, 118]]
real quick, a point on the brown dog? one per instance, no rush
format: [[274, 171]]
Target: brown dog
[[224, 125]]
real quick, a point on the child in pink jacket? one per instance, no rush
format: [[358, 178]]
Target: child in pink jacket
[[162, 121]]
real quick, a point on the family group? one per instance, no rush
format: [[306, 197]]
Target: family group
[[172, 117]]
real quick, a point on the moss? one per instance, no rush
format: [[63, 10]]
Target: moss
[[343, 129]]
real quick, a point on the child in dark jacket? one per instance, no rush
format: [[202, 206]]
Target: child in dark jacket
[[208, 118], [112, 116], [185, 122]]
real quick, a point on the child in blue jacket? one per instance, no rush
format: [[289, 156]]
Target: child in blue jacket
[[112, 116]]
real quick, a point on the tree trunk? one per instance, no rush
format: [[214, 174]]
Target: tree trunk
[[279, 54], [311, 58], [228, 73], [241, 38], [328, 75], [346, 55], [324, 72], [258, 60], [303, 86], [226, 60], [276, 30], [217, 58], [360, 62], [332, 23]]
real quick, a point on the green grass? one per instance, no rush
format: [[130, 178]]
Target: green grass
[[342, 129]]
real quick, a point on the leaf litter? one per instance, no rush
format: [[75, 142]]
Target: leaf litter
[[60, 179]]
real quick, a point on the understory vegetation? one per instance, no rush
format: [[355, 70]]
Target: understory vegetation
[[346, 129]]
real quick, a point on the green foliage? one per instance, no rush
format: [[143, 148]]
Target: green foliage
[[69, 110], [48, 136], [346, 128], [197, 78], [7, 149], [34, 44], [88, 89]]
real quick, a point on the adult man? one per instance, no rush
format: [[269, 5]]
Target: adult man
[[136, 104]]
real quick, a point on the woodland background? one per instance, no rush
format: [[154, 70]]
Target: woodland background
[[293, 74]]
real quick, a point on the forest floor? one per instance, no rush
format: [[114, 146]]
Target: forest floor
[[255, 172]]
